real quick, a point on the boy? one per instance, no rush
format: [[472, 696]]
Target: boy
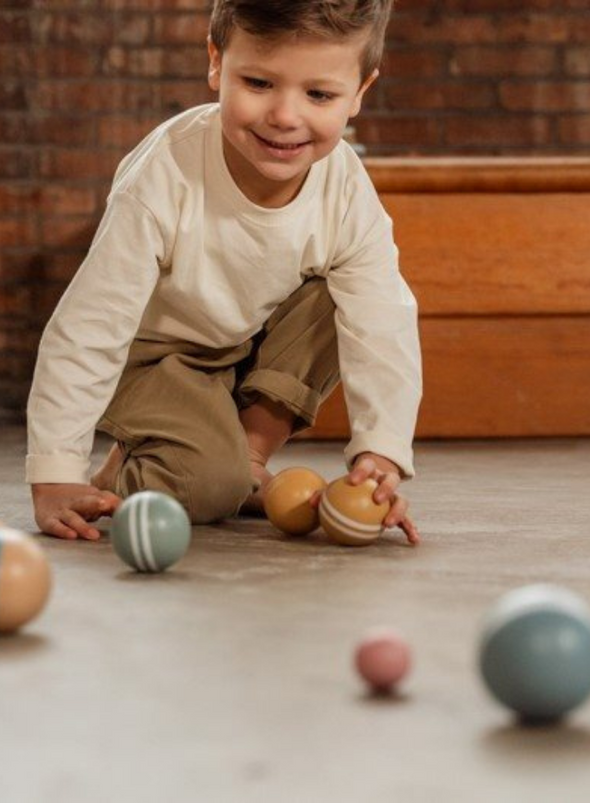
[[243, 262]]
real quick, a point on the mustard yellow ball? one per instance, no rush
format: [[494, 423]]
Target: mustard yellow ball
[[349, 514], [25, 579], [286, 500]]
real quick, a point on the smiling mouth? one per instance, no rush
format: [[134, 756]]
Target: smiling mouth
[[282, 146]]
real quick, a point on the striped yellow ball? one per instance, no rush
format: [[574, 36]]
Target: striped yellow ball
[[349, 514]]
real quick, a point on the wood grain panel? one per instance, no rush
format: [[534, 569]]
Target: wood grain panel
[[495, 377], [506, 174], [491, 253]]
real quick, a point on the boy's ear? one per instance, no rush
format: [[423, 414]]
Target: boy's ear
[[214, 65], [358, 101]]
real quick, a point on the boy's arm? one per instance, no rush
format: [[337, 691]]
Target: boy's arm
[[85, 344], [379, 350]]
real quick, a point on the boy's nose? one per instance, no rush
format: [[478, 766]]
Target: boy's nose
[[284, 113]]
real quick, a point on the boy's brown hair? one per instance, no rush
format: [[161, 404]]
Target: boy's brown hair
[[327, 19]]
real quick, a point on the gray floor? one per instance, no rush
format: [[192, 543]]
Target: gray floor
[[229, 678]]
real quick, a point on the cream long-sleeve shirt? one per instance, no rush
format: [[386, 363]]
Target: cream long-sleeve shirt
[[181, 253]]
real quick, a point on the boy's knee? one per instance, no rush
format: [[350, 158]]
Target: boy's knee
[[217, 494], [209, 490]]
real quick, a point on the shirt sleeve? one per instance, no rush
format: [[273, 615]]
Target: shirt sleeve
[[85, 344], [378, 341]]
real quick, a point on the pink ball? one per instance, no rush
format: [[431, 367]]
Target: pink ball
[[382, 658]]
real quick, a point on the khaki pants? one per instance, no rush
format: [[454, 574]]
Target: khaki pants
[[175, 410]]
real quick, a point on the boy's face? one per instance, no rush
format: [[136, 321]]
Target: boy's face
[[283, 107]]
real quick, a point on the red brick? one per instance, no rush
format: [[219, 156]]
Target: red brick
[[157, 62], [21, 264], [494, 6], [47, 297], [16, 162], [14, 27], [494, 61], [17, 231], [58, 232], [12, 95], [60, 266], [175, 96], [77, 164], [181, 29], [63, 199], [66, 61], [90, 28], [92, 96], [157, 5], [449, 95], [19, 198], [545, 96], [538, 28], [61, 128], [14, 301], [15, 127], [80, 28], [580, 31], [124, 132], [413, 63], [425, 29], [393, 133], [574, 130], [577, 61], [496, 132], [16, 60]]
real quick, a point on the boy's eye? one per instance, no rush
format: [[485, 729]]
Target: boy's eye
[[322, 97], [256, 83]]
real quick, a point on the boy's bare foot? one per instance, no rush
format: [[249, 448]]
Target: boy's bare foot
[[105, 477], [254, 505]]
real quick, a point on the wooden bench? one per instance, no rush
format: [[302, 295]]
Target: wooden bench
[[497, 252]]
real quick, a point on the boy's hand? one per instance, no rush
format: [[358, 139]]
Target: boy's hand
[[64, 509], [373, 466]]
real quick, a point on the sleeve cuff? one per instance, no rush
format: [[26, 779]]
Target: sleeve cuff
[[401, 454], [56, 468]]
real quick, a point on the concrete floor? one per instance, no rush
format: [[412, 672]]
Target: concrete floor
[[229, 679]]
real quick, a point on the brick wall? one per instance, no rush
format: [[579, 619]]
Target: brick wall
[[83, 80]]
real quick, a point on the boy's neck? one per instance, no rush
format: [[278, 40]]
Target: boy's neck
[[258, 189]]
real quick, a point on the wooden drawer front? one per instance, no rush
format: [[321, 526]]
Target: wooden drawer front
[[494, 253], [495, 377]]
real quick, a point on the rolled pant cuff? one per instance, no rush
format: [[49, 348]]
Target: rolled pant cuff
[[284, 388]]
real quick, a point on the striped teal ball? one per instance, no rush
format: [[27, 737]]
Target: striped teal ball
[[150, 531], [534, 653]]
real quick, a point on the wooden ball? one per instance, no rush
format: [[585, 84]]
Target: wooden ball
[[382, 658], [25, 579], [348, 513], [286, 500], [150, 531]]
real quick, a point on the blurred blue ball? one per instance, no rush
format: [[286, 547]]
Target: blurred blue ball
[[534, 653]]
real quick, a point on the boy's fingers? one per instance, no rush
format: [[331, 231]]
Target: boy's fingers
[[386, 490], [92, 507], [74, 521], [397, 511], [56, 528], [110, 501], [410, 530], [362, 471]]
